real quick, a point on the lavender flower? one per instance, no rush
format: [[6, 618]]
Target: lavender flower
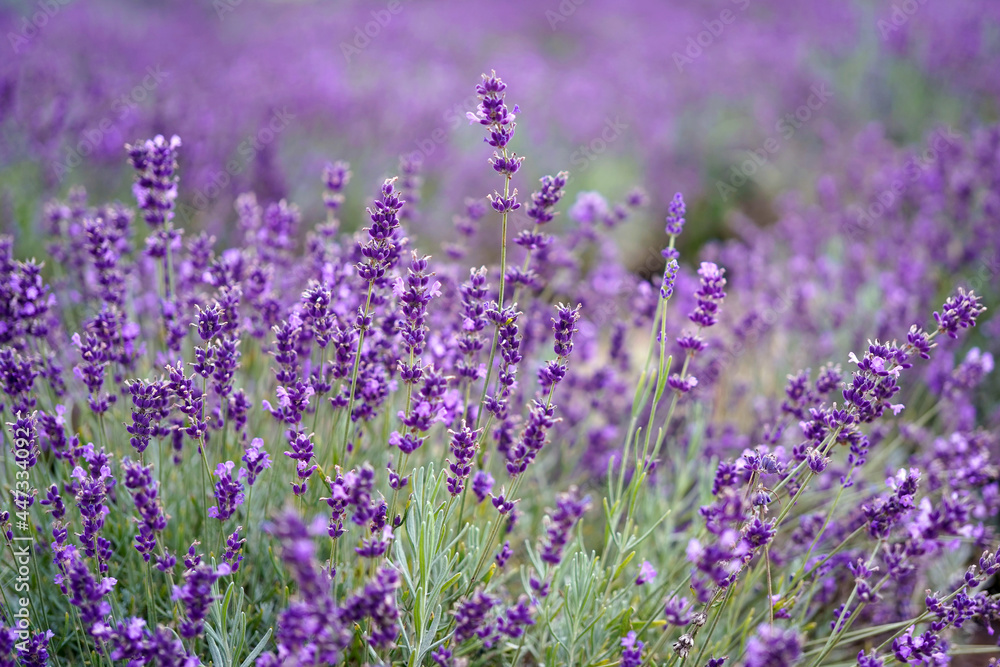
[[228, 491], [377, 602], [569, 510], [709, 295], [150, 406], [256, 459], [155, 161], [773, 646], [959, 311], [631, 650], [85, 592], [471, 617], [494, 114], [378, 251], [543, 201], [463, 448], [482, 484], [8, 638], [504, 554], [34, 653], [234, 547], [564, 326], [311, 628], [145, 492], [675, 216], [336, 176], [18, 377], [195, 596], [669, 279], [90, 498], [646, 573], [677, 611]]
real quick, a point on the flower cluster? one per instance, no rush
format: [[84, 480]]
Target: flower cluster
[[746, 523]]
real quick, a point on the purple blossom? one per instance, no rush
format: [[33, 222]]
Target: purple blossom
[[145, 492], [228, 491], [8, 638], [959, 312], [379, 250], [85, 592], [546, 198], [311, 627], [493, 113], [869, 659], [155, 162], [302, 453], [195, 596], [90, 498], [463, 448], [35, 651], [336, 176], [482, 484], [773, 646], [669, 279], [377, 601], [677, 611], [18, 377], [233, 554], [471, 616], [504, 554], [631, 650], [569, 510], [256, 459], [709, 295], [646, 573], [149, 407], [675, 216]]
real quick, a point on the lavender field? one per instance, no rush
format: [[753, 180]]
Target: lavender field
[[428, 332]]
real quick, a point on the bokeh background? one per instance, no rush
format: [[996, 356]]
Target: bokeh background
[[666, 95]]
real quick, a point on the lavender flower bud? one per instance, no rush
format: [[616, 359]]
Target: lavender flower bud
[[669, 279], [228, 491], [675, 215], [631, 650]]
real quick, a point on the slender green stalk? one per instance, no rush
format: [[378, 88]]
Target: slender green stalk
[[503, 282], [354, 378], [839, 626]]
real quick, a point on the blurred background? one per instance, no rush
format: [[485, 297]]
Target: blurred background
[[664, 95]]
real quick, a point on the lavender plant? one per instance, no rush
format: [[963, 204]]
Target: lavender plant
[[493, 465]]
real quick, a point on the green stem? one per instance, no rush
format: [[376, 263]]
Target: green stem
[[503, 282], [354, 376]]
